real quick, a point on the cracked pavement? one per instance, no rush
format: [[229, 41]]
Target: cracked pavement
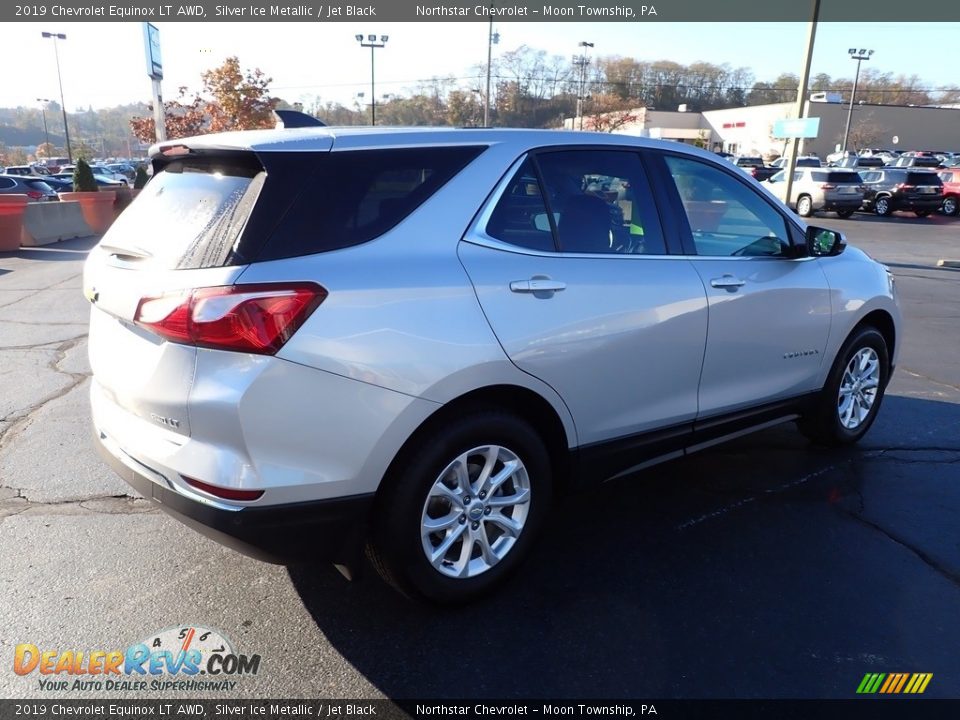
[[762, 568]]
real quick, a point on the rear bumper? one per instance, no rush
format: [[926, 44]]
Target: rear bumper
[[853, 203], [331, 530], [918, 203]]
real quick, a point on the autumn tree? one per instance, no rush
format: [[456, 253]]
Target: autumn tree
[[608, 114], [183, 117], [241, 100], [46, 150]]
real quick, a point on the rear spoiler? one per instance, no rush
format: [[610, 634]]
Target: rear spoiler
[[296, 119]]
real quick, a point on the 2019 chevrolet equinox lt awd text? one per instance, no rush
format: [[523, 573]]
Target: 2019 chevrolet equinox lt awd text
[[306, 342]]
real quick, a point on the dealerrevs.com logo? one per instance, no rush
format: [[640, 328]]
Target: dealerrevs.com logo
[[181, 658]]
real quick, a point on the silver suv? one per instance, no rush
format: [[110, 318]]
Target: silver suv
[[310, 341], [816, 189]]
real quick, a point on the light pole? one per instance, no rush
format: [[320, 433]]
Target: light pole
[[43, 110], [372, 43], [859, 56], [582, 61], [63, 106], [492, 39]]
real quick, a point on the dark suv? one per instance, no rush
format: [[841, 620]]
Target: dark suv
[[889, 189]]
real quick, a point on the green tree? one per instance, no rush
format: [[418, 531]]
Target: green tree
[[83, 180]]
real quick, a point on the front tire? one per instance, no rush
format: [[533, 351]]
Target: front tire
[[463, 509], [882, 207], [950, 205], [849, 402], [804, 206]]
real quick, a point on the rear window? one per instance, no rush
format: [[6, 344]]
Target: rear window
[[843, 177], [39, 185], [358, 195], [189, 215], [923, 178]]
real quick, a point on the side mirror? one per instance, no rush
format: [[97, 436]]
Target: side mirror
[[824, 243]]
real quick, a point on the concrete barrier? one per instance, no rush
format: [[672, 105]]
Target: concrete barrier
[[50, 222]]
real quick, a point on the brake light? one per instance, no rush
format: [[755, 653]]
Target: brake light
[[242, 318], [34, 194], [904, 186], [225, 493], [754, 171], [828, 186]]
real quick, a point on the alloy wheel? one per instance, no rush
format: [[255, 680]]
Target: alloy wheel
[[475, 511], [858, 388]]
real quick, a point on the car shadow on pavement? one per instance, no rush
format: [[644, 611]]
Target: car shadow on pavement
[[906, 217], [64, 250], [763, 568]]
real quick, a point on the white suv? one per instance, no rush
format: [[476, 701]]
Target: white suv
[[817, 189]]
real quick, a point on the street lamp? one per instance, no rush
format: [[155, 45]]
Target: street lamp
[[582, 62], [63, 106], [859, 56], [372, 43], [43, 110]]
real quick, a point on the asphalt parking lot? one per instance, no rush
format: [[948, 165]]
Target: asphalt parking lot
[[763, 568]]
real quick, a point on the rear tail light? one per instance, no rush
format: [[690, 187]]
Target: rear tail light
[[904, 186], [754, 171], [828, 186], [243, 318], [222, 492], [34, 194]]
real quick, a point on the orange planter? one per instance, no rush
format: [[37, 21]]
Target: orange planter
[[97, 208], [11, 221]]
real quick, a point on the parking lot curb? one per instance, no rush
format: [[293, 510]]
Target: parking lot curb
[[948, 263]]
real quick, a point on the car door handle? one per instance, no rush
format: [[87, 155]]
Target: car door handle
[[727, 282], [537, 285]]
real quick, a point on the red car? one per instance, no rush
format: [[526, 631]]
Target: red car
[[951, 191]]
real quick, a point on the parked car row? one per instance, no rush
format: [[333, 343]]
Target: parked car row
[[38, 187], [880, 190]]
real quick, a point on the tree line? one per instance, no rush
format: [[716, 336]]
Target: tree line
[[529, 88]]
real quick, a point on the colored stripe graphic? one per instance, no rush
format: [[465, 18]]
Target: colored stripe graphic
[[875, 685], [894, 683], [903, 680]]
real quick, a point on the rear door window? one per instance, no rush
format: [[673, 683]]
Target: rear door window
[[602, 202]]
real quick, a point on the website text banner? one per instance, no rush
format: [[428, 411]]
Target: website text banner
[[732, 11], [50, 709]]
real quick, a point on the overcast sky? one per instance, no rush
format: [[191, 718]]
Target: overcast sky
[[102, 64]]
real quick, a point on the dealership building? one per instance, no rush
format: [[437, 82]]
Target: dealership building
[[750, 130]]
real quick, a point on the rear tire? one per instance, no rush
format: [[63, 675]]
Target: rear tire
[[849, 402], [950, 205], [804, 206], [440, 532], [881, 206], [845, 213]]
